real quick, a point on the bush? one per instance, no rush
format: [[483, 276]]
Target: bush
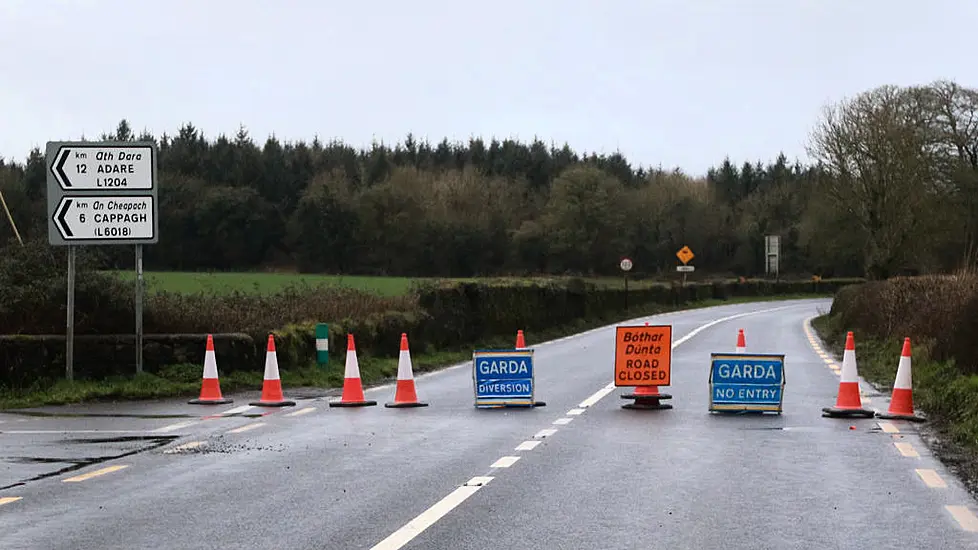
[[439, 316], [940, 309]]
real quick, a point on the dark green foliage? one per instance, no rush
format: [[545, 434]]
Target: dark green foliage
[[450, 210]]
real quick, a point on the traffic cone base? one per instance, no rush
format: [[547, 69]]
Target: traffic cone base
[[353, 395], [848, 403], [210, 386], [901, 400], [405, 394], [646, 398], [271, 389]]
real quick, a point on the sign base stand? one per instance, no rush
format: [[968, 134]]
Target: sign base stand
[[835, 412], [646, 399], [514, 405]]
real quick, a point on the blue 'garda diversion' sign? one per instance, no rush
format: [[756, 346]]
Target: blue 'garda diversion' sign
[[746, 382], [503, 377]]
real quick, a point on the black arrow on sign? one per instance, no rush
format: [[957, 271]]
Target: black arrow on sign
[[59, 218], [60, 168]]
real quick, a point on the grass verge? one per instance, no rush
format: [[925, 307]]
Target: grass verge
[[948, 398], [184, 380]]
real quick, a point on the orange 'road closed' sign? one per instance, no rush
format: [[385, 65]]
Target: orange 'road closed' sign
[[643, 355]]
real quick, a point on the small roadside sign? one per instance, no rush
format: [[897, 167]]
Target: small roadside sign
[[626, 264], [503, 378], [643, 355], [685, 255], [746, 382], [685, 268]]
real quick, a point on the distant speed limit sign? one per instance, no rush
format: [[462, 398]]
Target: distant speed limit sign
[[626, 264]]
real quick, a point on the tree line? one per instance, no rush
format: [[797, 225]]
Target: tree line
[[892, 190]]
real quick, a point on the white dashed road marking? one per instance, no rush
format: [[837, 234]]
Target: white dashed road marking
[[246, 427], [931, 478], [965, 518], [427, 518], [505, 462], [300, 412], [173, 427], [527, 445]]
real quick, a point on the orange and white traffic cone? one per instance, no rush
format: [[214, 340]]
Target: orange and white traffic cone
[[210, 387], [741, 342], [848, 404], [353, 395], [901, 400], [520, 340], [405, 395], [271, 389], [646, 397]]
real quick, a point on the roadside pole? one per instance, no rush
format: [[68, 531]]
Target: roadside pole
[[139, 308], [70, 337], [626, 266]]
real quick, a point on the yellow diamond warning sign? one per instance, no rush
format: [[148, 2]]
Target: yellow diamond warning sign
[[685, 255]]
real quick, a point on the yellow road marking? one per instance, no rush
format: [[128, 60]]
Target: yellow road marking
[[184, 447], [906, 449], [965, 518], [8, 500], [889, 428], [96, 473], [828, 361], [246, 427], [931, 478], [302, 411]]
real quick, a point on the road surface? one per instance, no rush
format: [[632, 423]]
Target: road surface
[[579, 473]]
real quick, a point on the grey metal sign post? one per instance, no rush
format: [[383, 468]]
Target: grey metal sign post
[[102, 193]]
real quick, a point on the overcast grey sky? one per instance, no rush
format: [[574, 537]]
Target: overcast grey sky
[[670, 82]]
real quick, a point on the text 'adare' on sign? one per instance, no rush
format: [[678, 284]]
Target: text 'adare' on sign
[[643, 355]]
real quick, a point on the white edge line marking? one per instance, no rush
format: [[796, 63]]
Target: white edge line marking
[[931, 478], [246, 427], [302, 411], [965, 518], [888, 427], [426, 519], [528, 445], [236, 410], [906, 449], [173, 427], [547, 432], [505, 462]]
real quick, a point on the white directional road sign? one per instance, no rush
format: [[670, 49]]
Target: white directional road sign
[[102, 193], [108, 218], [104, 167]]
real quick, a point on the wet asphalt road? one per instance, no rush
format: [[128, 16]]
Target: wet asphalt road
[[606, 477]]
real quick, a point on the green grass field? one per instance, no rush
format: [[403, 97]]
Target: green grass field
[[261, 283]]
